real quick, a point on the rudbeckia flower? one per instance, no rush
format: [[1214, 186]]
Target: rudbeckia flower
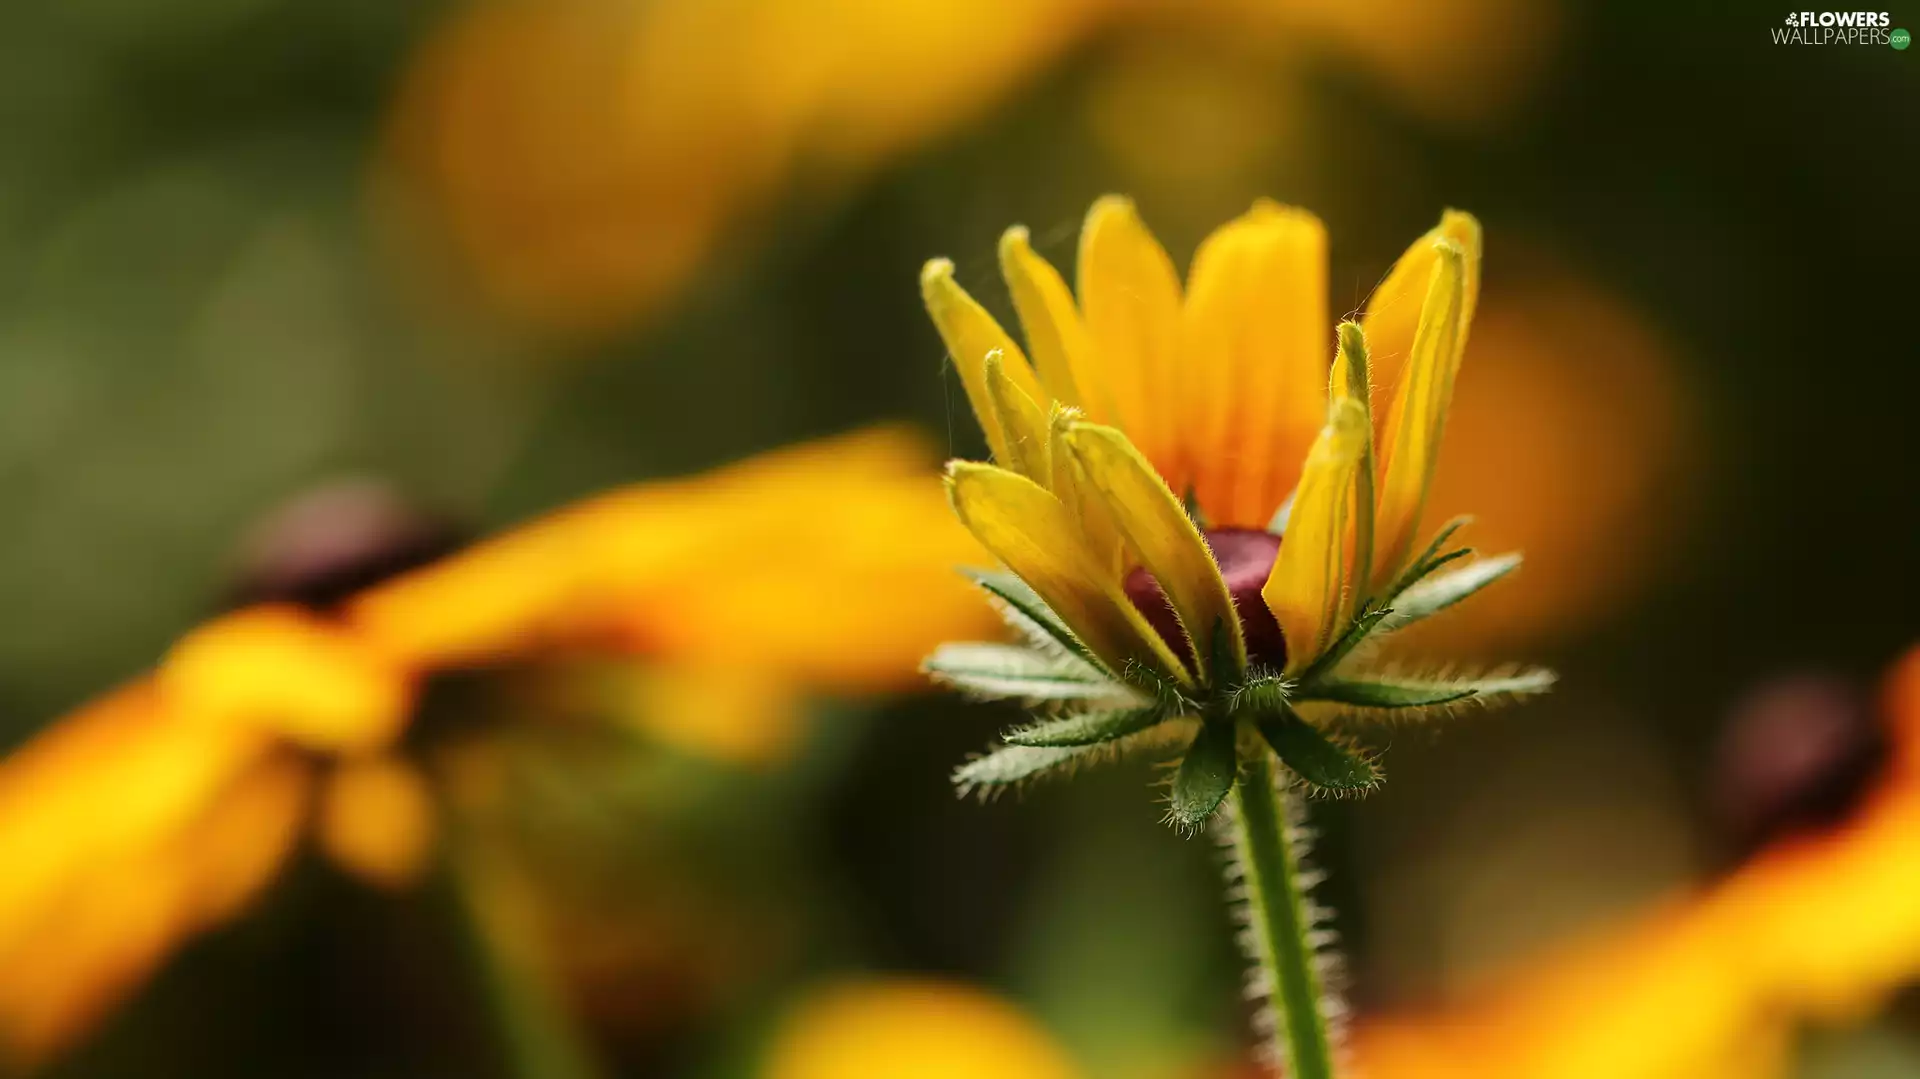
[[1204, 528], [1206, 505], [162, 809]]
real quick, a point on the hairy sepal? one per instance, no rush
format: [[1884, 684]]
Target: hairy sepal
[[1317, 759], [1438, 591], [1088, 728], [1205, 776], [1013, 672]]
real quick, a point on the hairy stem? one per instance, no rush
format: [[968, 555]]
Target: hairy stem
[[1280, 922]]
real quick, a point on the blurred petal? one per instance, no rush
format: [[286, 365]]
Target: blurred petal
[[1569, 439], [1158, 529], [377, 820], [1311, 589], [120, 911], [1130, 294], [1036, 537], [114, 779], [1823, 927], [971, 335], [789, 559], [1257, 351], [283, 670], [900, 1027]]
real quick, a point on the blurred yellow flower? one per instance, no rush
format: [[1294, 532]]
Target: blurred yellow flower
[[576, 162], [160, 809], [1823, 927], [899, 1027], [1569, 441]]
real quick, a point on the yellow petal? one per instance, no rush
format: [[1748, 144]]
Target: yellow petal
[[1393, 311], [281, 670], [241, 843], [377, 821], [1022, 424], [1086, 504], [971, 334], [1310, 587], [1351, 380], [1030, 531], [1256, 360], [1411, 442], [1162, 534], [1054, 331], [1130, 299]]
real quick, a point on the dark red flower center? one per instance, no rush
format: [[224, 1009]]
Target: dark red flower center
[[1245, 556]]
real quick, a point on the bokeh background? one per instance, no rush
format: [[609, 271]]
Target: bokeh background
[[497, 257]]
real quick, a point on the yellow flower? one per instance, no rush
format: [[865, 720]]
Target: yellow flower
[[578, 161], [1821, 927], [1138, 399], [161, 809], [883, 1029]]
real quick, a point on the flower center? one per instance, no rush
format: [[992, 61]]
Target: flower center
[[1245, 556]]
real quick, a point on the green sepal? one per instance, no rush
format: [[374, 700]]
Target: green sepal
[[1088, 728], [1165, 692], [1012, 672], [1410, 697], [1433, 594], [1005, 766], [1430, 557], [1386, 693], [1363, 624], [1023, 609], [1261, 695], [1314, 757], [1205, 776]]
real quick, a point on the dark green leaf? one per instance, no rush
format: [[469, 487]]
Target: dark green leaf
[[1205, 776], [1316, 758], [1088, 728]]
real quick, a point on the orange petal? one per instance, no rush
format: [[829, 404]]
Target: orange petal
[[377, 820], [1258, 343], [1393, 311], [1130, 299]]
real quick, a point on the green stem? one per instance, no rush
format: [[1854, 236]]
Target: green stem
[[539, 1040], [1279, 921]]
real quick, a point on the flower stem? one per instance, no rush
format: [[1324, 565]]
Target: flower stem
[[1279, 921], [538, 1039]]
